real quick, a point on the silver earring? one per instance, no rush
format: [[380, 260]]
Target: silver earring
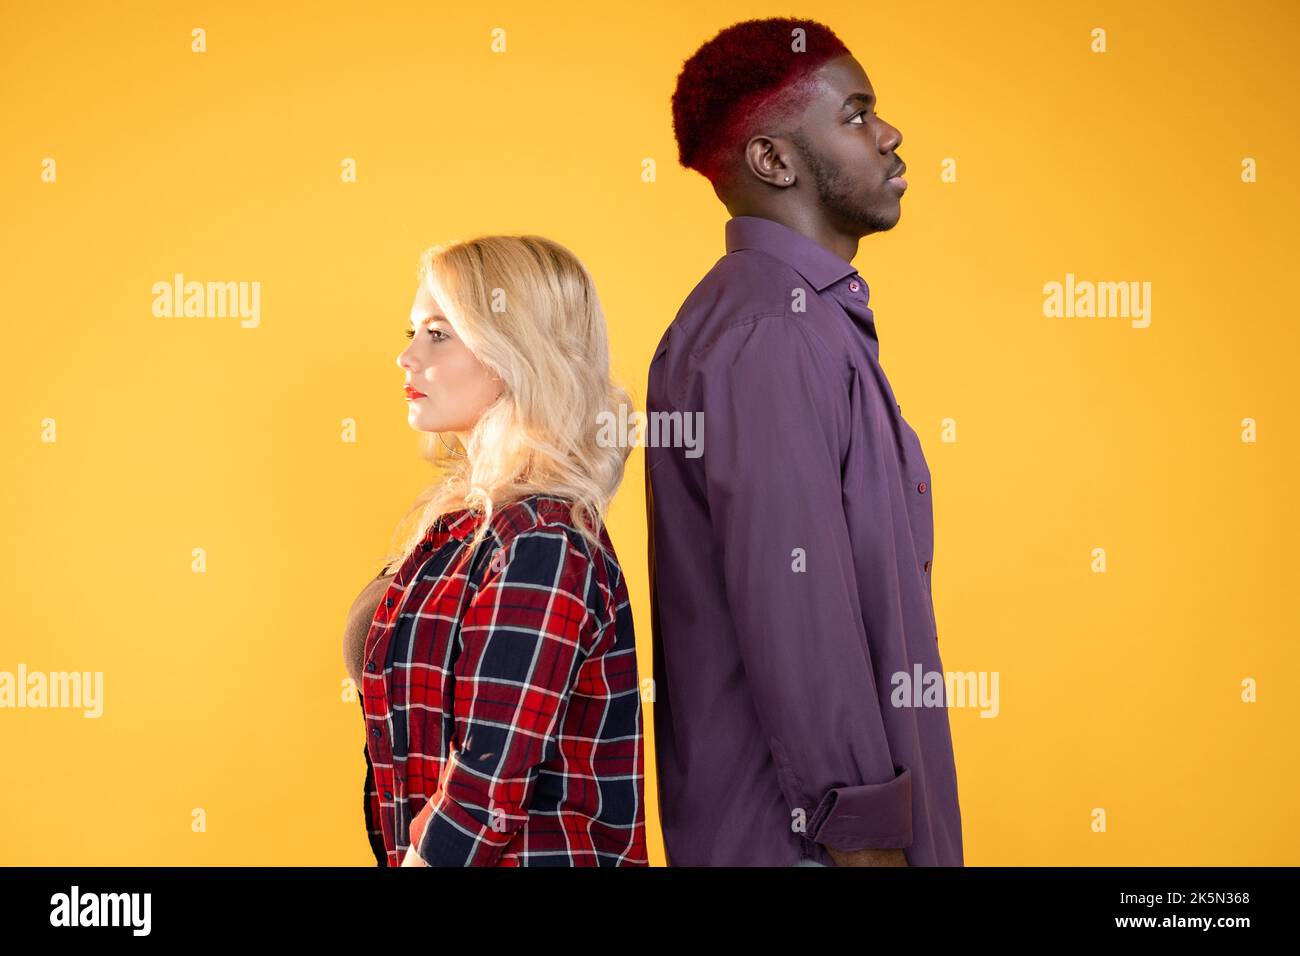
[[787, 179], [454, 453]]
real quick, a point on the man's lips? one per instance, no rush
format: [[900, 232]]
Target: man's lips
[[896, 177], [414, 392]]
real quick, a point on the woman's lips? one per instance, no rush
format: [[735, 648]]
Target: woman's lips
[[412, 393]]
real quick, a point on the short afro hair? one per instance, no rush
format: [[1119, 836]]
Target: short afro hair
[[752, 74]]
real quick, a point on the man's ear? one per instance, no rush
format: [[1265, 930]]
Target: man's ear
[[764, 160]]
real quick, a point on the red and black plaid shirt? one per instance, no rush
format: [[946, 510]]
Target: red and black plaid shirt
[[502, 706]]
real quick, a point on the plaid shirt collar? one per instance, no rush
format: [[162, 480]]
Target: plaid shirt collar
[[459, 524], [463, 522]]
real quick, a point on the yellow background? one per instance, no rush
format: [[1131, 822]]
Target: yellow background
[[1118, 690]]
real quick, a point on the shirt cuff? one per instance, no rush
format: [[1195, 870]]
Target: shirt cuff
[[452, 836], [876, 816]]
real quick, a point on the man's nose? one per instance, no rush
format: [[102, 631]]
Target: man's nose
[[892, 139]]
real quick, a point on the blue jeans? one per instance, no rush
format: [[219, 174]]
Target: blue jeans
[[808, 863]]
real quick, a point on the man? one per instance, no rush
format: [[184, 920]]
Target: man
[[790, 560]]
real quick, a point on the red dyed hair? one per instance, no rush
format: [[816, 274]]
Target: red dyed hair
[[748, 76]]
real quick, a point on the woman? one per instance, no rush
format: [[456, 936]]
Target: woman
[[498, 673]]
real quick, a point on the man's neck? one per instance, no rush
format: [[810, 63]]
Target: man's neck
[[809, 224]]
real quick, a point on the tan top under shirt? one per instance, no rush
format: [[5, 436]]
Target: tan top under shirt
[[358, 624]]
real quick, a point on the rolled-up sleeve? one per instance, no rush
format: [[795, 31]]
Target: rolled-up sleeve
[[775, 417], [524, 635]]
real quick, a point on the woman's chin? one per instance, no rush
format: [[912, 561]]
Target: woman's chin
[[420, 423]]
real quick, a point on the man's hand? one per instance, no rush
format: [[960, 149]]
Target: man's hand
[[867, 857], [412, 858]]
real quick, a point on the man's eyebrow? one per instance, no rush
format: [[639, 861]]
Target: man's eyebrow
[[866, 100]]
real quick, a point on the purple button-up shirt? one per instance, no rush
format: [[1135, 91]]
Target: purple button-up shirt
[[799, 695]]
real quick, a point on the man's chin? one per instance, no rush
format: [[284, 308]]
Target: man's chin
[[882, 221]]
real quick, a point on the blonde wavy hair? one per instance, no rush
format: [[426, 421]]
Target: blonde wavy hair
[[527, 308]]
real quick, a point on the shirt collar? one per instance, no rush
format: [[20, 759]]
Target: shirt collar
[[810, 259], [459, 524], [462, 523]]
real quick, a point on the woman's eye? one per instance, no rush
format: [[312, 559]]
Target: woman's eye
[[437, 334]]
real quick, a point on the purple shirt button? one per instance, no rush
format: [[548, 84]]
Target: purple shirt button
[[921, 487]]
